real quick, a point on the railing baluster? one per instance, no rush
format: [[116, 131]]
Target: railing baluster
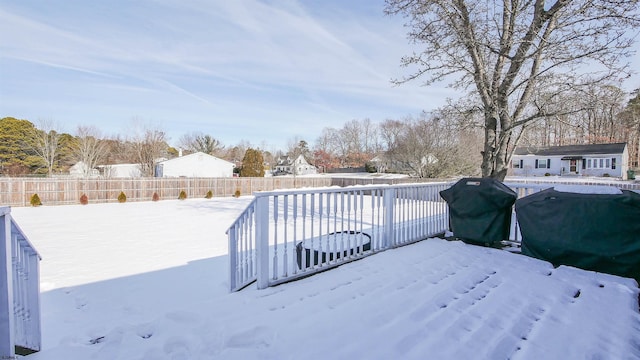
[[349, 228], [320, 261], [285, 216], [295, 233], [335, 225], [328, 221], [342, 223], [304, 233], [315, 261], [275, 237]]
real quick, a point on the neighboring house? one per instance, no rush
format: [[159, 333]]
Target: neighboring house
[[197, 164], [80, 169], [587, 160], [120, 171], [299, 166]]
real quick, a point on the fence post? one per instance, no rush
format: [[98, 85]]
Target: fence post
[[389, 199], [7, 350], [262, 241]]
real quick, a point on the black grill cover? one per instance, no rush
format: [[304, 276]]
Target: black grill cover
[[479, 209], [599, 232]]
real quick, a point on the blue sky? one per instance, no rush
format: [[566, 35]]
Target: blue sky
[[266, 72], [262, 71]]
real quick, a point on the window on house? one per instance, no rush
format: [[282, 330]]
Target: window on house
[[607, 163], [588, 163], [543, 163], [516, 164], [613, 163]]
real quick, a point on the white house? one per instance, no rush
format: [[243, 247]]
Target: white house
[[120, 171], [195, 165], [80, 169], [299, 166], [587, 160]]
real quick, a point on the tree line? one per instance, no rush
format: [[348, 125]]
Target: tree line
[[442, 143]]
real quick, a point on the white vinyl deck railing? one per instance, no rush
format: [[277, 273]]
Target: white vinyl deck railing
[[19, 291], [285, 235]]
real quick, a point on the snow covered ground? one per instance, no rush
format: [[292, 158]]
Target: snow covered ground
[[149, 280]]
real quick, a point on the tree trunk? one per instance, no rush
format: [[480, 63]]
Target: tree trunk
[[496, 147]]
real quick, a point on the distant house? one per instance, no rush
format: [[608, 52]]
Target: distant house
[[197, 164], [120, 171], [587, 160], [298, 166], [80, 169]]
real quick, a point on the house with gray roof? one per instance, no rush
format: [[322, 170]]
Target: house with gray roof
[[606, 160], [298, 166]]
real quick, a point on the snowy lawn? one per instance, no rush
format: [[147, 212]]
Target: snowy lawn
[[150, 281]]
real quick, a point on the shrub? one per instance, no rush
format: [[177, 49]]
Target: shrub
[[35, 200], [155, 196], [547, 174], [183, 195], [84, 200], [122, 197], [606, 175], [209, 195], [237, 193]]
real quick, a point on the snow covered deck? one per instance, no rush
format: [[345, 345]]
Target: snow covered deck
[[149, 281]]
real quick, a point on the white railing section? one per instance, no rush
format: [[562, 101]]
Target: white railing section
[[522, 190], [242, 249], [285, 235], [20, 331]]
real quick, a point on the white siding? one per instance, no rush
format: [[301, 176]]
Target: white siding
[[195, 165], [613, 165]]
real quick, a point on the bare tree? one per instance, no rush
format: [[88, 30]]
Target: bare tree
[[198, 141], [148, 147], [89, 148], [510, 51], [428, 147], [46, 142], [630, 117]]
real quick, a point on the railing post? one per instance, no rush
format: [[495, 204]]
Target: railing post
[[389, 199], [233, 258], [7, 350], [262, 241]]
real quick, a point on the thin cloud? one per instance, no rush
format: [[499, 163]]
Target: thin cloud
[[221, 66]]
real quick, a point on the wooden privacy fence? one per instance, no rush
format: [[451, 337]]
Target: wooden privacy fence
[[64, 191]]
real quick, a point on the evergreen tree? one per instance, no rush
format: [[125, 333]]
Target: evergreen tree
[[252, 164], [16, 144]]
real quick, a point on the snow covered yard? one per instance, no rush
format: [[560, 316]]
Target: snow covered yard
[[150, 281]]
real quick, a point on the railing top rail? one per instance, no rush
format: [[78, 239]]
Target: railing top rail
[[332, 189], [15, 228], [528, 185], [251, 204], [24, 240]]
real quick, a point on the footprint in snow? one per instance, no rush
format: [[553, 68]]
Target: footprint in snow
[[81, 302], [146, 330]]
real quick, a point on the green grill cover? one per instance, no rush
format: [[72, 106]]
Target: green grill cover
[[599, 232], [479, 210]]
